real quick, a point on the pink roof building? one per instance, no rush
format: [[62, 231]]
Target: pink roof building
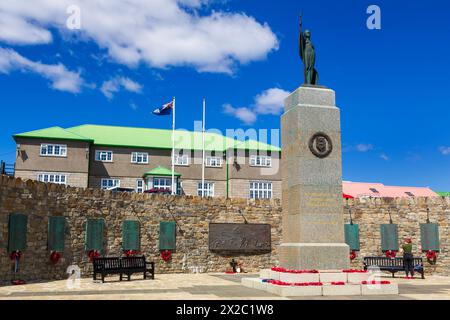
[[379, 190]]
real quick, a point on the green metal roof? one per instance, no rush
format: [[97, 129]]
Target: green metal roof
[[146, 138], [57, 133], [444, 194], [161, 171]]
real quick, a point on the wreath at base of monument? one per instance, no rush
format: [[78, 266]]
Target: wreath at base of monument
[[55, 256], [375, 282], [391, 254], [284, 270], [166, 255], [353, 255], [431, 257]]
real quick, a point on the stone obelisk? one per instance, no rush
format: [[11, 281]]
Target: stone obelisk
[[313, 223]]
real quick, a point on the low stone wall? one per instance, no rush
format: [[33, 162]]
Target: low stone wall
[[193, 214], [408, 214]]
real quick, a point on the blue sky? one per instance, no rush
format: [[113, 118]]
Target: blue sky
[[392, 84]]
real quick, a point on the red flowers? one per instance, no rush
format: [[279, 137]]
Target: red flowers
[[130, 253], [431, 256], [355, 271], [166, 255], [55, 256], [93, 254], [340, 283], [15, 255], [375, 282], [279, 269], [391, 254], [287, 284], [353, 255]]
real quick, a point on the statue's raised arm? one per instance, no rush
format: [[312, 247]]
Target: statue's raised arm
[[301, 39], [308, 55]]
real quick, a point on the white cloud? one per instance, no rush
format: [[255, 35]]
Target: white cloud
[[270, 101], [384, 157], [110, 87], [246, 115], [61, 79], [159, 33], [364, 147], [444, 150]]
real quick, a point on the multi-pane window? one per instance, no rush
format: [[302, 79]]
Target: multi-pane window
[[110, 183], [207, 190], [52, 178], [53, 150], [181, 160], [104, 156], [260, 161], [261, 190], [162, 183], [139, 157], [213, 162], [140, 186]]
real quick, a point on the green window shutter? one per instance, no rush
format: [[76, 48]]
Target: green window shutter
[[429, 236], [94, 234], [389, 237], [167, 235], [131, 235], [17, 237], [352, 236], [56, 233]]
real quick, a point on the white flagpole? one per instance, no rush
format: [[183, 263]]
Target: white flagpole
[[203, 148], [173, 147]]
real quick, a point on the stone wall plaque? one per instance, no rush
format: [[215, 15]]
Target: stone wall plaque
[[240, 237]]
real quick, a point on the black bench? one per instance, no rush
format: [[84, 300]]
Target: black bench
[[121, 266], [393, 265]]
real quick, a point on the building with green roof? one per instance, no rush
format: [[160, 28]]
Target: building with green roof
[[105, 157]]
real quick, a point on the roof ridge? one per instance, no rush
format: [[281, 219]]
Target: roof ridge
[[146, 128]]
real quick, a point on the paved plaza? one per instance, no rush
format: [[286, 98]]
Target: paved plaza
[[199, 287]]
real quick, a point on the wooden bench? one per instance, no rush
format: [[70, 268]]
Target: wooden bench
[[121, 266], [393, 265]]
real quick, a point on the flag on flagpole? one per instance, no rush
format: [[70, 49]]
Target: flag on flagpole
[[165, 110]]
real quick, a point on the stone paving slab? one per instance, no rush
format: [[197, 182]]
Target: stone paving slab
[[201, 287]]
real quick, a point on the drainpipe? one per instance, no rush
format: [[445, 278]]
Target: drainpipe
[[228, 178]]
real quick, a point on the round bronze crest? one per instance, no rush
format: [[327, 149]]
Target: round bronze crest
[[320, 145]]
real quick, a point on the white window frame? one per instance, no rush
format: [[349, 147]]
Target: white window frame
[[184, 162], [62, 150], [208, 191], [100, 153], [160, 186], [115, 183], [139, 157], [261, 190], [140, 188], [51, 177], [260, 161], [214, 162]]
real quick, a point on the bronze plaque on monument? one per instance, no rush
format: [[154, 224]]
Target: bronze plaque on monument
[[240, 237]]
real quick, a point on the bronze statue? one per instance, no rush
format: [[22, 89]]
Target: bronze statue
[[308, 56]]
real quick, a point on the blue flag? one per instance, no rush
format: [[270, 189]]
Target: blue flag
[[165, 110]]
